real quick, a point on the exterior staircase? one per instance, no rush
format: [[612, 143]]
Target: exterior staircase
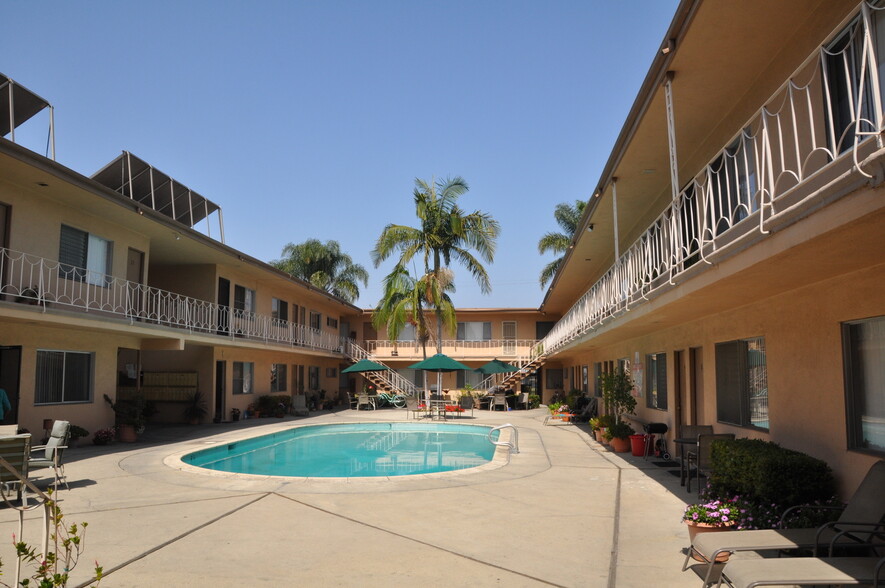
[[527, 365], [388, 381]]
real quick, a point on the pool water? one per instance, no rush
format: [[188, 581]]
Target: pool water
[[353, 450]]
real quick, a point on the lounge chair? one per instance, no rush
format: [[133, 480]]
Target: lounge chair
[[701, 457], [863, 513], [587, 412], [807, 571], [51, 454]]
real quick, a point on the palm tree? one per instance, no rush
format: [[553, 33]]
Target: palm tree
[[404, 301], [446, 232], [325, 266], [567, 217]]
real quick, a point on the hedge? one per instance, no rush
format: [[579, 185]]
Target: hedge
[[766, 472]]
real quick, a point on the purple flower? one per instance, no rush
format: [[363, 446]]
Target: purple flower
[[694, 516], [726, 511], [724, 519]]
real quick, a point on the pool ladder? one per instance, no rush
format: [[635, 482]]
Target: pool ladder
[[513, 444]]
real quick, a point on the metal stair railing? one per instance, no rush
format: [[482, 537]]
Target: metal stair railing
[[390, 377]]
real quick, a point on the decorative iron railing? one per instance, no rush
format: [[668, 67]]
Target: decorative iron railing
[[830, 108], [491, 347], [31, 279]]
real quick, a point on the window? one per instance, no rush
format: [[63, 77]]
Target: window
[[554, 379], [315, 320], [63, 376], [331, 372], [864, 343], [243, 371], [742, 383], [331, 322], [278, 377], [462, 378], [279, 309], [313, 378], [244, 298], [83, 257], [407, 333], [656, 380], [474, 331]]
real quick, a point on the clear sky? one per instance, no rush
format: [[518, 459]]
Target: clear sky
[[310, 119]]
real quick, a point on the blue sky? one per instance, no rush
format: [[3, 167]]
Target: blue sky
[[312, 119]]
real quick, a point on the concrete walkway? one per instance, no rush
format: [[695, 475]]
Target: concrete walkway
[[563, 512]]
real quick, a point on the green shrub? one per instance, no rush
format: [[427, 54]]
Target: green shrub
[[765, 472], [270, 403]]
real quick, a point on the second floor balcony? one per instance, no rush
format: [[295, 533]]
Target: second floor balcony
[[484, 350], [45, 283]]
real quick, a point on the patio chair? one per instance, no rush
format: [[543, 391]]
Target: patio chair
[[8, 430], [587, 412], [689, 433], [15, 450], [701, 457], [363, 399], [466, 403], [413, 407], [299, 405], [499, 399], [807, 571], [51, 454], [523, 400], [862, 515]]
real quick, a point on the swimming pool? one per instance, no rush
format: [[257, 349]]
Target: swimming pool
[[353, 450]]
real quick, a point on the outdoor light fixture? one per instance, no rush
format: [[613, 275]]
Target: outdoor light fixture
[[590, 228]]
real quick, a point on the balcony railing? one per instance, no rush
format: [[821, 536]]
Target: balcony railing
[[31, 279], [830, 106], [455, 348]]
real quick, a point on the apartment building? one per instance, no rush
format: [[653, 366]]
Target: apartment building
[[732, 255], [731, 258]]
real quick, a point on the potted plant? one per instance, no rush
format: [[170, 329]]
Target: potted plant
[[716, 515], [617, 393], [235, 414], [130, 417], [619, 436], [605, 421], [195, 409], [76, 433]]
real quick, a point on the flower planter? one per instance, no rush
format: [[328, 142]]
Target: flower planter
[[620, 445], [695, 528], [126, 433], [598, 433]]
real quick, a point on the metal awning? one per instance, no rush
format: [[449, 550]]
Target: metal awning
[[17, 106], [138, 180]]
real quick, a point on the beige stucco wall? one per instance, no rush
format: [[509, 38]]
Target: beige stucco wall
[[802, 330]]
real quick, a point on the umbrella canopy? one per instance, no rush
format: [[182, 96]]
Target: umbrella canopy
[[364, 365], [496, 366], [439, 363]]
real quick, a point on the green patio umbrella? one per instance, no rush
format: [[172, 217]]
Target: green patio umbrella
[[439, 363], [364, 365], [496, 366]]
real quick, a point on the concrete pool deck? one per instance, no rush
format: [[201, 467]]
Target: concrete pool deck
[[564, 512]]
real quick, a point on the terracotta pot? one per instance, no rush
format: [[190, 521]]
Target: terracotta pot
[[126, 433], [620, 445], [695, 528], [598, 433]]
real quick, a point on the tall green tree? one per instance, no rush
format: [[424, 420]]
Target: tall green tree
[[325, 266], [445, 233], [567, 217]]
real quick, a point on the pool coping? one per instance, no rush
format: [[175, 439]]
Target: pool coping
[[174, 460]]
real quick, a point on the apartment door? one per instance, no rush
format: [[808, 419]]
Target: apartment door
[[508, 335], [220, 387], [4, 241], [223, 306], [135, 277], [10, 375], [679, 386], [695, 409]]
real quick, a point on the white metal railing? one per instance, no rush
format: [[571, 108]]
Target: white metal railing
[[31, 279], [496, 347], [391, 377], [830, 106], [513, 443]]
